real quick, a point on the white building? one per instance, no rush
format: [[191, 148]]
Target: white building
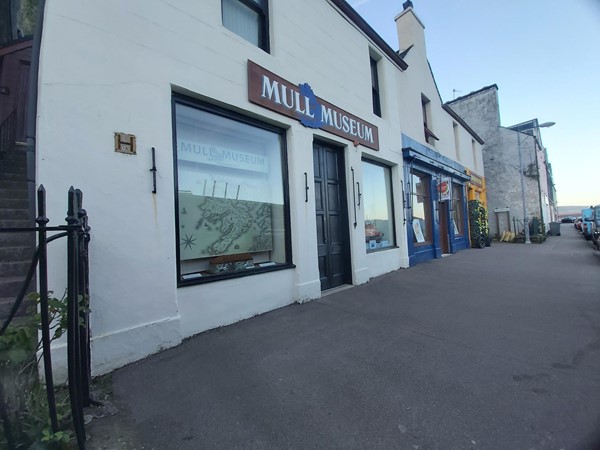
[[290, 151]]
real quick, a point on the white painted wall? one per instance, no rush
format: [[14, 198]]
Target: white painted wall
[[112, 66], [418, 80], [103, 72]]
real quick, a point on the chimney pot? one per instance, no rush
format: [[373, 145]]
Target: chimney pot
[[407, 4]]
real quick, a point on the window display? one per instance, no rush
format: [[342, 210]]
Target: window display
[[377, 201], [458, 216], [232, 207], [421, 208]]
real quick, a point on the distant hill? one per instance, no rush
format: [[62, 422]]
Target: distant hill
[[571, 210]]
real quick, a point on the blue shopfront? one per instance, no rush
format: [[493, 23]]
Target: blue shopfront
[[435, 202]]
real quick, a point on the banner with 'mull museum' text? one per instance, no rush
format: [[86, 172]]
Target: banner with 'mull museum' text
[[277, 94]]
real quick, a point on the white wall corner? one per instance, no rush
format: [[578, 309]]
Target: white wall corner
[[115, 350], [308, 291], [361, 276]]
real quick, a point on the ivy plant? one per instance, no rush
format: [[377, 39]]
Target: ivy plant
[[478, 224]]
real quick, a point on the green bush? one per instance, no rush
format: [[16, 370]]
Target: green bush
[[478, 224], [23, 399]]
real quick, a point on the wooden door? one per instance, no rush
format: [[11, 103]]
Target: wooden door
[[443, 215], [332, 216]]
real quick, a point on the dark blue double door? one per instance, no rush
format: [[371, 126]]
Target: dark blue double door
[[333, 236]]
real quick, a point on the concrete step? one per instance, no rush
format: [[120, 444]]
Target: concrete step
[[15, 193], [6, 303], [16, 253], [13, 184], [14, 214], [14, 158], [10, 286], [6, 169], [17, 239], [9, 176], [14, 269], [13, 203], [5, 223]]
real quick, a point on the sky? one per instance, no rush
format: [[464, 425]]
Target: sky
[[544, 56]]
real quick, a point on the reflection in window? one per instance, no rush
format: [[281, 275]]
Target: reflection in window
[[248, 19], [375, 88], [421, 208], [430, 138], [458, 209], [231, 196], [377, 201]]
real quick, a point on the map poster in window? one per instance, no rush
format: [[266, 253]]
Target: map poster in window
[[211, 226], [418, 231]]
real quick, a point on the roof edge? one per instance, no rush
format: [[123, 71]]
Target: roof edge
[[485, 88]]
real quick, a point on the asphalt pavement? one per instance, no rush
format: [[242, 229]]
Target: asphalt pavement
[[494, 348]]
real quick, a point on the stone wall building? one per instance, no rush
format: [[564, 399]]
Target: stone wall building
[[502, 165]]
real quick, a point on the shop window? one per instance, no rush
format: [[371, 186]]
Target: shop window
[[232, 200], [375, 88], [458, 209], [248, 19], [421, 208], [378, 206]]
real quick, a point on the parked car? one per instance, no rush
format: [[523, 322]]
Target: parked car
[[586, 222], [567, 219], [596, 226]]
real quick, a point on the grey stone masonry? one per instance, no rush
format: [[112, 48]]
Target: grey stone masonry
[[481, 111]]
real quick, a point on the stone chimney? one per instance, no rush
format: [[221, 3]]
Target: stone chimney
[[411, 31]]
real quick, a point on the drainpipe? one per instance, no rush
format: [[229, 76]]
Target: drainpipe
[[537, 169], [32, 107]]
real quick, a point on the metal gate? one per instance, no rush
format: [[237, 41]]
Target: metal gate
[[77, 234]]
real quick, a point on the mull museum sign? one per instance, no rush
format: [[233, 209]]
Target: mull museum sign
[[299, 102]]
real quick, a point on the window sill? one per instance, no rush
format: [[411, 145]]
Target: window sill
[[377, 250], [229, 275]]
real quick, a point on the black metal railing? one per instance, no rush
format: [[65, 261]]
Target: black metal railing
[[8, 130], [77, 234], [518, 226]]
